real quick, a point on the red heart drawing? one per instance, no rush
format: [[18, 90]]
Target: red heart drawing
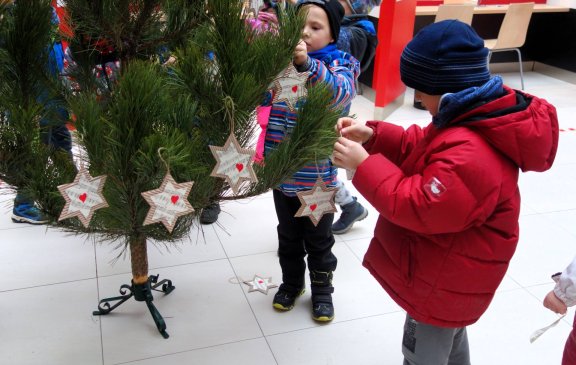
[[174, 199], [294, 88], [83, 197], [313, 207], [239, 167]]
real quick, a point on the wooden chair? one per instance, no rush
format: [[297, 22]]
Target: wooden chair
[[462, 12], [512, 34]]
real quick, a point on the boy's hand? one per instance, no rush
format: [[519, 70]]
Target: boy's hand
[[552, 302], [354, 130], [348, 154], [300, 54]]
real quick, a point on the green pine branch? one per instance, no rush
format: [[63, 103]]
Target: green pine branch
[[153, 119]]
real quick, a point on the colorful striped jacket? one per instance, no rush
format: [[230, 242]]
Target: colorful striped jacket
[[340, 73]]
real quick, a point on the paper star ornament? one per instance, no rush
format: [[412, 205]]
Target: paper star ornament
[[260, 284], [290, 86], [83, 197], [233, 163], [316, 202], [168, 202]]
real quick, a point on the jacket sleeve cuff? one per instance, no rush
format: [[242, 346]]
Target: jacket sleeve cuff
[[370, 143], [563, 297], [306, 66]]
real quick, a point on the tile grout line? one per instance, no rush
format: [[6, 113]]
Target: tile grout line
[[98, 298], [247, 301], [44, 285], [184, 351]]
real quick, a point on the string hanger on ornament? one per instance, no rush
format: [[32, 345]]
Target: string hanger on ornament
[[229, 109], [166, 164]]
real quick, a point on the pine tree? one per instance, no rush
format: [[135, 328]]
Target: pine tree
[[151, 120]]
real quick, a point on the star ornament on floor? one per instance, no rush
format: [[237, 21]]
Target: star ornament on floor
[[83, 197], [168, 202], [316, 202], [260, 284], [233, 163], [290, 86]]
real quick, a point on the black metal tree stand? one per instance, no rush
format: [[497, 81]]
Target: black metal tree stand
[[141, 293]]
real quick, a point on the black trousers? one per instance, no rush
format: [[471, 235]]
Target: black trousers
[[297, 236]]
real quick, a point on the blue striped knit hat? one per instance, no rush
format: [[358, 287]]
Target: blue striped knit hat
[[445, 57]]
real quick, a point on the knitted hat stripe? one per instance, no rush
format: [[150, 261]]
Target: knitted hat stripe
[[448, 73]]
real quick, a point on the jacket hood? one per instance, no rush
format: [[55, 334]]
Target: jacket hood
[[519, 125]]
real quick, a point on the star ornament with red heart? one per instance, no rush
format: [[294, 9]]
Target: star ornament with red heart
[[260, 284], [316, 202], [233, 163], [83, 197], [168, 202], [290, 86]]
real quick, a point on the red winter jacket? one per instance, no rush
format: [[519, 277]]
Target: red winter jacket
[[449, 204]]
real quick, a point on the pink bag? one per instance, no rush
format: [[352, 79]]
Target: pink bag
[[262, 116]]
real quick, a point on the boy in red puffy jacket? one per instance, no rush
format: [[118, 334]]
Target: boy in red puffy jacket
[[448, 193]]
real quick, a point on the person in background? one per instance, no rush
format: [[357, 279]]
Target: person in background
[[357, 37], [266, 20], [54, 131], [357, 34], [298, 237], [447, 193], [558, 300]]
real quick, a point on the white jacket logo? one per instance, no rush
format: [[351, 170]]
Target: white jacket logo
[[435, 187]]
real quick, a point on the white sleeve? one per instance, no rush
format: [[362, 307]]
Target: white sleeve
[[566, 286]]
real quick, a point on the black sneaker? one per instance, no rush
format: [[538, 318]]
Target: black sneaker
[[322, 308], [284, 300], [210, 214], [351, 213]]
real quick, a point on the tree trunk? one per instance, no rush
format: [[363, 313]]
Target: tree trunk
[[139, 258]]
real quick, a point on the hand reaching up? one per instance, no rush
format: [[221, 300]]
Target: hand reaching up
[[354, 130], [348, 154]]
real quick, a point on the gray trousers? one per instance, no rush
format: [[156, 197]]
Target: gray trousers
[[343, 195], [425, 344]]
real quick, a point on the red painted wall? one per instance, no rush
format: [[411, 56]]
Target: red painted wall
[[395, 28]]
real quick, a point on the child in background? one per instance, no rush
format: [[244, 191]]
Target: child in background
[[267, 19], [54, 132], [557, 300], [357, 34], [357, 37], [448, 193], [316, 54]]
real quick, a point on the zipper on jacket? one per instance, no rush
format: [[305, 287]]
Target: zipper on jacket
[[408, 262]]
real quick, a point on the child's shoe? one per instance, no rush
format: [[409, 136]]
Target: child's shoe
[[351, 213], [210, 214], [322, 289], [284, 299], [26, 212], [322, 308]]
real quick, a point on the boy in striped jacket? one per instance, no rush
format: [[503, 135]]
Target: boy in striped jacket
[[317, 55]]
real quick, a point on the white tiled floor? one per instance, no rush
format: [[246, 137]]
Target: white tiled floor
[[51, 282]]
